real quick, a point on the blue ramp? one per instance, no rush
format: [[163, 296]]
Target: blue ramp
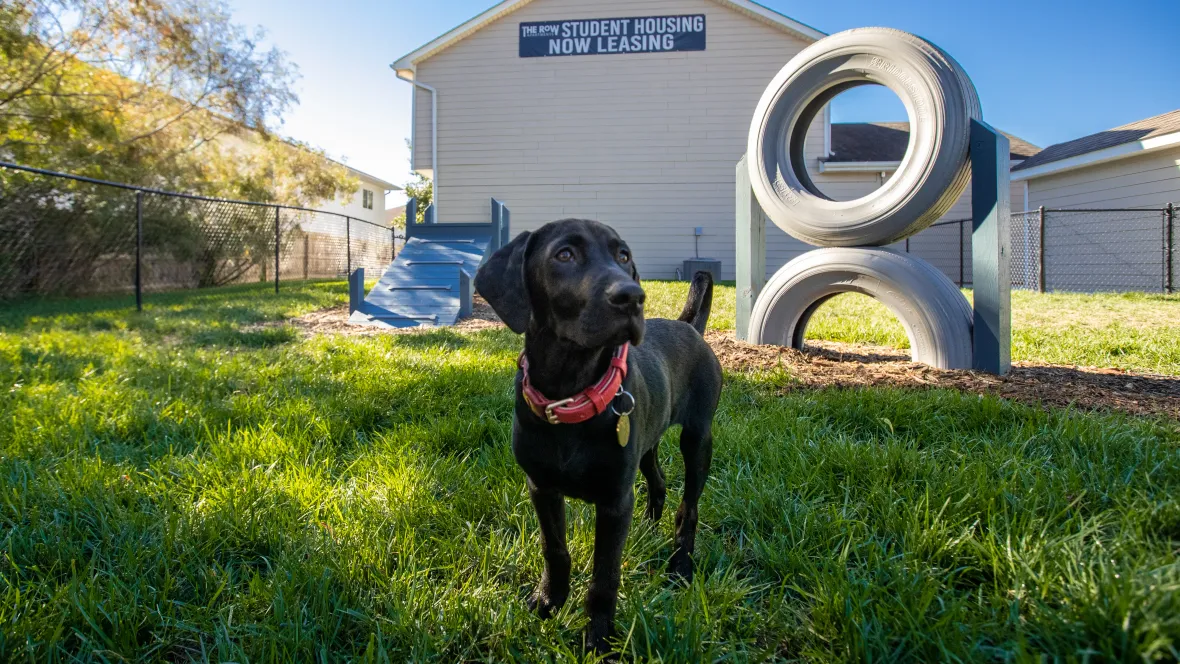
[[429, 284]]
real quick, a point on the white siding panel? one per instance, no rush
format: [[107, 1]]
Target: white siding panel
[[1146, 181], [645, 142]]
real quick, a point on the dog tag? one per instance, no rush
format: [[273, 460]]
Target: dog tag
[[624, 430]]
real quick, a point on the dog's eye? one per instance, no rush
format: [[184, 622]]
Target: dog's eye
[[624, 256], [565, 255]]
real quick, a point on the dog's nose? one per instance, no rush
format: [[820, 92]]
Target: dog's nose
[[625, 295]]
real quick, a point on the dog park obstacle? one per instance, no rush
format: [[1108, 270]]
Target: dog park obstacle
[[950, 146], [429, 284]]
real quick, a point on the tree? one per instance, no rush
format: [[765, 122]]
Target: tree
[[421, 189], [163, 93]]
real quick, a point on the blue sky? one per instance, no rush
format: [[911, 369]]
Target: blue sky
[[1046, 70]]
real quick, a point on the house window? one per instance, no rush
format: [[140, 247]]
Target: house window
[[367, 199]]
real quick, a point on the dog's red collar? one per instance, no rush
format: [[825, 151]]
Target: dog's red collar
[[592, 401]]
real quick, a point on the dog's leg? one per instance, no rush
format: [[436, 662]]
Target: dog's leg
[[656, 489], [554, 587], [612, 521], [696, 444]]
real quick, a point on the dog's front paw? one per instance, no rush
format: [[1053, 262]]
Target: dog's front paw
[[598, 640], [680, 567], [545, 603]]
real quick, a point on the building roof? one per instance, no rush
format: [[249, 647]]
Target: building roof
[[887, 142], [1142, 130], [373, 178], [752, 9]]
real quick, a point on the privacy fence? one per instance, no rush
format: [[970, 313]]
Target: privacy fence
[[1083, 250], [67, 235]]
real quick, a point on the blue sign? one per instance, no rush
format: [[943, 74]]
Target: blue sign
[[602, 36]]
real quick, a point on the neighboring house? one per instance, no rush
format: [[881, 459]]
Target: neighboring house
[[647, 142], [866, 154], [366, 203], [1136, 165], [1132, 167]]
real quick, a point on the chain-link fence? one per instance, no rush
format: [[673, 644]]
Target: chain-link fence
[[66, 235], [1083, 250]]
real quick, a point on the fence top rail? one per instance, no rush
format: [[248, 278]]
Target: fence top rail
[[176, 194], [1156, 210]]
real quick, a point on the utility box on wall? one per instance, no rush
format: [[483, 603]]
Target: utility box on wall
[[694, 265]]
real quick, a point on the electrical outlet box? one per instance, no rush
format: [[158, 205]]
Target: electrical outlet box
[[699, 230]]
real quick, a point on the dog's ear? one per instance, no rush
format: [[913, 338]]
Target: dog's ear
[[501, 282]]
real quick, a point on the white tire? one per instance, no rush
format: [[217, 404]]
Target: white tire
[[935, 314], [941, 102]]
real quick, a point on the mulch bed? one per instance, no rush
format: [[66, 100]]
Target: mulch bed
[[831, 364]]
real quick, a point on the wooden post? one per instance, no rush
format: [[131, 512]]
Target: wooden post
[[356, 289], [428, 215], [990, 249], [750, 242], [411, 217], [466, 294], [505, 227], [497, 224]]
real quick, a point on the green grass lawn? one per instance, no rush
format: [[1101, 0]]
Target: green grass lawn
[[176, 485]]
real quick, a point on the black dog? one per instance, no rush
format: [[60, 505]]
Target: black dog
[[572, 289]]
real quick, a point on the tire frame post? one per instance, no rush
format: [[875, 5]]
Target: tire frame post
[[750, 243], [991, 241]]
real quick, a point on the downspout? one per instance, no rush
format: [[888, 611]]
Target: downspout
[[433, 131]]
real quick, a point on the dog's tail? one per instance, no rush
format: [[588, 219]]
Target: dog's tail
[[700, 301]]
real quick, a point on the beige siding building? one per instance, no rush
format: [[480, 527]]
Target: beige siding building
[[1136, 165], [645, 142], [1128, 175]]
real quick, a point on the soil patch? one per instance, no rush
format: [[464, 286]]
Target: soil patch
[[832, 364]]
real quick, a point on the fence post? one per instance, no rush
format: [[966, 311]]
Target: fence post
[[347, 245], [277, 211], [1041, 249], [392, 244], [1169, 248], [139, 251]]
